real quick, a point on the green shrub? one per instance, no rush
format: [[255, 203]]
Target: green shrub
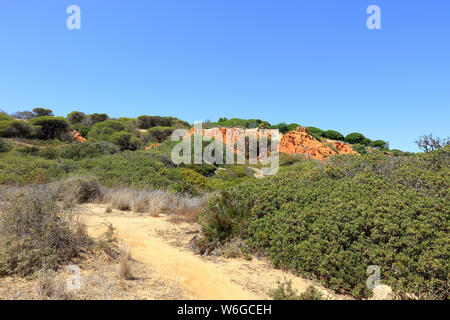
[[49, 127], [380, 144], [158, 134], [125, 140], [98, 117], [330, 223], [16, 129], [354, 138], [79, 150], [366, 142], [36, 234], [5, 117], [147, 122], [315, 131], [80, 189], [42, 112], [103, 131], [76, 117], [5, 146], [49, 153], [361, 149], [31, 150], [333, 135], [223, 218]]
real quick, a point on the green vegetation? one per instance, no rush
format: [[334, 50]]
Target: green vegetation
[[334, 135], [331, 222], [5, 146], [354, 138], [49, 127], [327, 221]]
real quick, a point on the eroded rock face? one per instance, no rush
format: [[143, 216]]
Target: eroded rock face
[[301, 142], [294, 142], [77, 136]]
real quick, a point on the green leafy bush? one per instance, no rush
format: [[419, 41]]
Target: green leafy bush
[[42, 112], [97, 117], [354, 138], [361, 149], [334, 135], [15, 129], [158, 134], [78, 150], [381, 144], [76, 117], [5, 146], [49, 127], [315, 131], [147, 122], [103, 131], [125, 140], [330, 223]]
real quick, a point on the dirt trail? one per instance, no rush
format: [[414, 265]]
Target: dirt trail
[[164, 247]]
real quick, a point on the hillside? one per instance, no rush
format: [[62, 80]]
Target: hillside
[[337, 205]]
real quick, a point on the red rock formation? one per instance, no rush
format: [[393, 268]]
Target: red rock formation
[[77, 136], [294, 142]]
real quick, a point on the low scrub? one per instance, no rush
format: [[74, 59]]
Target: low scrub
[[154, 202], [35, 233], [331, 222]]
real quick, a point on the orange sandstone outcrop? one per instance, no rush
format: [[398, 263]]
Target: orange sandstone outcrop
[[301, 142], [294, 142], [77, 136], [235, 133]]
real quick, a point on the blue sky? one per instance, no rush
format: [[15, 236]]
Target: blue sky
[[310, 62]]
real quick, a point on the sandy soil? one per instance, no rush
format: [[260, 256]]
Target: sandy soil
[[162, 247]]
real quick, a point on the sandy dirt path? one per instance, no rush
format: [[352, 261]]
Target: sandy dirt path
[[164, 247]]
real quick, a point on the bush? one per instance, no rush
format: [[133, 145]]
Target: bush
[[5, 117], [42, 112], [49, 153], [331, 223], [33, 150], [158, 134], [361, 149], [126, 140], [36, 234], [222, 219], [76, 117], [333, 135], [80, 189], [380, 144], [354, 138], [5, 146], [49, 127], [15, 129], [147, 122], [315, 131], [103, 131], [79, 150], [98, 117], [23, 115]]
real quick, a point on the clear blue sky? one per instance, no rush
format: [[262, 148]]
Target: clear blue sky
[[312, 62]]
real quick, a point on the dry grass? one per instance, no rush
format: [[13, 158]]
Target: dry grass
[[154, 202], [125, 268]]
